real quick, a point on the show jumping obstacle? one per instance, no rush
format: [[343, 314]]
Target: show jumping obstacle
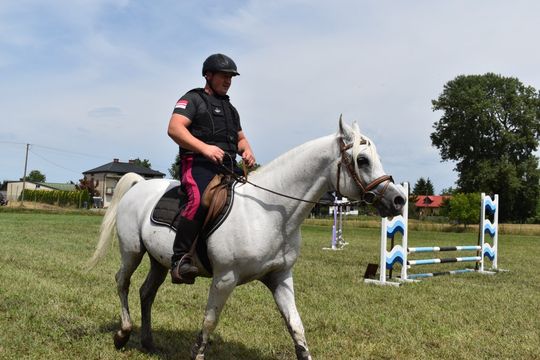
[[338, 243], [400, 253]]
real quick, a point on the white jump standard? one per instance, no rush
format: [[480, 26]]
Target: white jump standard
[[400, 253], [338, 243]]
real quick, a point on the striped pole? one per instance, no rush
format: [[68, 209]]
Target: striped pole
[[443, 248], [451, 272], [443, 261]]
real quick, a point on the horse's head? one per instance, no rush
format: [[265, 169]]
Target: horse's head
[[360, 174]]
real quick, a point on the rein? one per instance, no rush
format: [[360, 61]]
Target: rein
[[368, 195], [244, 180]]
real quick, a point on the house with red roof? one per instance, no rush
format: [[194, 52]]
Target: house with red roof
[[429, 205]]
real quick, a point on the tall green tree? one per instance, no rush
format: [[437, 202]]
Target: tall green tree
[[448, 191], [423, 187], [491, 127], [241, 166], [174, 170], [464, 208], [36, 176], [145, 162]]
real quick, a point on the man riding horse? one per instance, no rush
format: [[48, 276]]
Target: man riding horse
[[207, 128]]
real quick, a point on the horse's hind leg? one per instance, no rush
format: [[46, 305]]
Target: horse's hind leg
[[130, 261], [282, 288], [148, 291]]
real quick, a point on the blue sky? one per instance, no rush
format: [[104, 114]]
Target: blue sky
[[86, 81]]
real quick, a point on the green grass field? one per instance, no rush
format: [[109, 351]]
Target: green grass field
[[50, 308]]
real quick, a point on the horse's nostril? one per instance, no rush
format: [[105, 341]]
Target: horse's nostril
[[399, 202]]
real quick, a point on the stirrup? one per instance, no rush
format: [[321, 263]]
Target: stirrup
[[183, 272]]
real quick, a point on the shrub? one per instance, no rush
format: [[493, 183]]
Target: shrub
[[58, 197]]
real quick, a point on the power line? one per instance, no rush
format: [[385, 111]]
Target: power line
[[12, 143], [53, 163], [38, 151], [65, 151], [71, 152]]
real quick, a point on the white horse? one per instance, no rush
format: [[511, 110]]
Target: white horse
[[260, 239]]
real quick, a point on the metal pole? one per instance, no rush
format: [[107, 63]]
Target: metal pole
[[334, 227], [24, 176]]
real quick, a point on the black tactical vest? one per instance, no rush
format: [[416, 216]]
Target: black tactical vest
[[216, 123]]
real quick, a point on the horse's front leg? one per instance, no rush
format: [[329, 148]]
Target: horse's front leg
[[282, 288], [221, 289]]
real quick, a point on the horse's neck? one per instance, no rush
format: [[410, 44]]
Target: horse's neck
[[303, 172]]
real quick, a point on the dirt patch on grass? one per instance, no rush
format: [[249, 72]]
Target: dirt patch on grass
[[41, 207]]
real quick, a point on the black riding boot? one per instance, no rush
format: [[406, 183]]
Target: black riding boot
[[182, 269]]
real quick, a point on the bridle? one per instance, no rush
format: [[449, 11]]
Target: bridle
[[369, 195]]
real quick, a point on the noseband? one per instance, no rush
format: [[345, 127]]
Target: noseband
[[369, 193]]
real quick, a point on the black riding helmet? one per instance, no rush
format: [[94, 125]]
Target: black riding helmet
[[219, 62]]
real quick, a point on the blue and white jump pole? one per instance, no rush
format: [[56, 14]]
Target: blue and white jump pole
[[400, 253], [491, 207]]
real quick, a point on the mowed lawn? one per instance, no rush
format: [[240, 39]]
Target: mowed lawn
[[51, 308]]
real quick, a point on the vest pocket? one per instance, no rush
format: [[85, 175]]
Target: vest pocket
[[217, 111]]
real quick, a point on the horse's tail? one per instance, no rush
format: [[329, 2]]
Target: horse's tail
[[108, 224]]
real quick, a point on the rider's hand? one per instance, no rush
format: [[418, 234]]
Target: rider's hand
[[248, 158], [213, 153]]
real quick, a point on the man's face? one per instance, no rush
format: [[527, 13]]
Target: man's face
[[220, 82]]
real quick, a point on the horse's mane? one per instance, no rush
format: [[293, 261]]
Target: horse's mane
[[291, 153], [361, 143]]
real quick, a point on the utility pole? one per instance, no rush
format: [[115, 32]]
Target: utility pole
[[24, 177]]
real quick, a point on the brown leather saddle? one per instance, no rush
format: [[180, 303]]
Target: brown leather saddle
[[217, 199]]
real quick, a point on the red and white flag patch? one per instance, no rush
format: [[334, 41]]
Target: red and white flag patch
[[182, 104]]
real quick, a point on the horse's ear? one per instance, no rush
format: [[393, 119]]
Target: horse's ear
[[345, 131], [356, 128]]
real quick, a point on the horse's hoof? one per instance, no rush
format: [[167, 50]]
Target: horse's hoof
[[148, 346], [195, 356], [302, 353], [197, 348], [121, 339]]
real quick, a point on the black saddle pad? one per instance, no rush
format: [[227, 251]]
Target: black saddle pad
[[167, 213], [167, 210]]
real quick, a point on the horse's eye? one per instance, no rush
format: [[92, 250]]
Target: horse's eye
[[362, 161]]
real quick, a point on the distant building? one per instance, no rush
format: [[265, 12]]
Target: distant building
[[430, 205], [14, 188], [108, 175]]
